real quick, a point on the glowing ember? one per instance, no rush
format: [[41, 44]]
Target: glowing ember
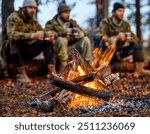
[[99, 61], [83, 101], [93, 85], [81, 71]]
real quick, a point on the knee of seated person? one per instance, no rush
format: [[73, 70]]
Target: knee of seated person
[[61, 40], [86, 39], [138, 56], [138, 47], [86, 42], [46, 42]]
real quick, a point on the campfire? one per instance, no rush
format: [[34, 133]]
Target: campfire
[[82, 84]]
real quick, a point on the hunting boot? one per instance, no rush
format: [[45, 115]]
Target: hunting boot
[[63, 64], [22, 77], [6, 73], [51, 69], [140, 71]]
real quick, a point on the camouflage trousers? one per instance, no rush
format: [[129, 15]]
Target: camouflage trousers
[[134, 50], [4, 50], [62, 45], [23, 51]]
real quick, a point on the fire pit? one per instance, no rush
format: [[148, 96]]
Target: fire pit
[[89, 90], [81, 84]]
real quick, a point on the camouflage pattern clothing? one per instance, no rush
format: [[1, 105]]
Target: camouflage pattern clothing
[[62, 42], [4, 50], [17, 36], [20, 28], [110, 28]]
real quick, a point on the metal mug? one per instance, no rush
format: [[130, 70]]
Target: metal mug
[[75, 31], [128, 35], [47, 35]]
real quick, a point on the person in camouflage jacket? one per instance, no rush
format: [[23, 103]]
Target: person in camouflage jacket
[[68, 33], [115, 29], [25, 37]]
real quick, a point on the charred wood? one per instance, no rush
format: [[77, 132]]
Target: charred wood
[[88, 77], [111, 78], [50, 93], [70, 86], [85, 78], [86, 67]]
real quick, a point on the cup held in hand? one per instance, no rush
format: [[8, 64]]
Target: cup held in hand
[[75, 31], [47, 35], [128, 35]]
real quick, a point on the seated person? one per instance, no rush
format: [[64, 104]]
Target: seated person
[[26, 39], [115, 29], [67, 33]]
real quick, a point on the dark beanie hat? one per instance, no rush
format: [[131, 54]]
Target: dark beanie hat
[[63, 7], [117, 6]]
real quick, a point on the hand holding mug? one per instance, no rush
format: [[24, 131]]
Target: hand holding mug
[[76, 33], [39, 35], [50, 36], [69, 31]]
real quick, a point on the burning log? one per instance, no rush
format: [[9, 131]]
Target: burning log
[[80, 89], [65, 97], [56, 103], [97, 52], [50, 93], [86, 67], [85, 78]]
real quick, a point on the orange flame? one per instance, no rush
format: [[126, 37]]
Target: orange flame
[[85, 101], [99, 61]]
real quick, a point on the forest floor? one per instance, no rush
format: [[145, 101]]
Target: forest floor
[[132, 99]]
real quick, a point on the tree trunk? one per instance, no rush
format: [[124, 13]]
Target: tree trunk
[[7, 8], [102, 10], [138, 20], [64, 1], [105, 8]]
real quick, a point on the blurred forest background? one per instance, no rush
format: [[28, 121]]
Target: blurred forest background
[[132, 98], [137, 14]]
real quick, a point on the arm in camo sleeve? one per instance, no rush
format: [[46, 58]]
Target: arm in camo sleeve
[[104, 27], [57, 28], [18, 30], [134, 39]]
